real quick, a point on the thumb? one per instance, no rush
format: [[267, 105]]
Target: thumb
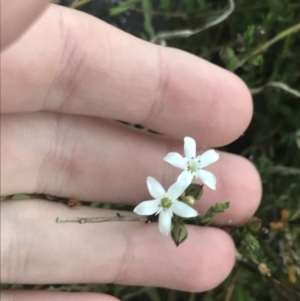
[[17, 16]]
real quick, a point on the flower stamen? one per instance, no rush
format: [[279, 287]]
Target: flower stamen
[[192, 166], [165, 203]]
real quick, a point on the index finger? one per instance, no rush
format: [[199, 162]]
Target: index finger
[[73, 63]]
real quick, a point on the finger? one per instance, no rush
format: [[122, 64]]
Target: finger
[[92, 159], [130, 253], [16, 16], [22, 295], [73, 63]]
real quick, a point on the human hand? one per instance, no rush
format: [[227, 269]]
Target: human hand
[[63, 83]]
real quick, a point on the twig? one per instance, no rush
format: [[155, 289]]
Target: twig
[[171, 295], [232, 286], [186, 33], [183, 15], [135, 294], [24, 196], [84, 220], [77, 3], [277, 85], [268, 44], [286, 171]]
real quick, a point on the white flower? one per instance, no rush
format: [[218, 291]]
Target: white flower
[[165, 203], [192, 165]]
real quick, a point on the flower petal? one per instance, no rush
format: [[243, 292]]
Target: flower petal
[[207, 158], [147, 207], [165, 222], [187, 175], [189, 147], [183, 210], [178, 188], [207, 178], [155, 188], [176, 160]]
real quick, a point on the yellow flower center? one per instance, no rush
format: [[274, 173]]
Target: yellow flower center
[[165, 203], [192, 165]]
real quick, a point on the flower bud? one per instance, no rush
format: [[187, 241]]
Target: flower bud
[[264, 270], [194, 190], [255, 224], [292, 273], [190, 200], [179, 233], [285, 215], [277, 225]]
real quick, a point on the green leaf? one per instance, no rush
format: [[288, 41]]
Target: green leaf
[[165, 5], [229, 58], [179, 233], [257, 60], [212, 212], [117, 10], [190, 6], [249, 34], [153, 294], [250, 243], [295, 216], [147, 9], [21, 196], [298, 138]]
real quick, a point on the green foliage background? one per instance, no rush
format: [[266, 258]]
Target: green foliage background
[[270, 141]]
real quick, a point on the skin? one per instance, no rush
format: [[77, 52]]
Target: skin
[[65, 76]]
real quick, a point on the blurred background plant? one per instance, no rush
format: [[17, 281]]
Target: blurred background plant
[[260, 42]]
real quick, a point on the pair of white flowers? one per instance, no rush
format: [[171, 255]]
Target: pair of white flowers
[[166, 203]]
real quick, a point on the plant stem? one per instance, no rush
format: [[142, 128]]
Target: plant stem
[[186, 33], [84, 220], [232, 286], [268, 44]]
